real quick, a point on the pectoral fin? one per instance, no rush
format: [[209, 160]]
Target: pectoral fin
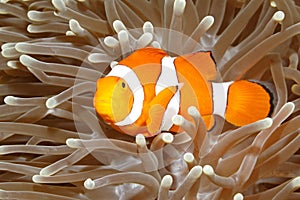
[[156, 113], [157, 109]]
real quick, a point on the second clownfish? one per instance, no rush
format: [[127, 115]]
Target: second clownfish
[[144, 91]]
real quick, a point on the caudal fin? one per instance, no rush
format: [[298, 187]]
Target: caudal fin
[[248, 101]]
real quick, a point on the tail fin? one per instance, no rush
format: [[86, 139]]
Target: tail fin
[[249, 101]]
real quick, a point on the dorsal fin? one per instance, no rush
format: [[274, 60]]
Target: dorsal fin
[[204, 62], [144, 56]]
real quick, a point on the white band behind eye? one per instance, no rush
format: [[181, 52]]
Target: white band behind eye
[[135, 86]]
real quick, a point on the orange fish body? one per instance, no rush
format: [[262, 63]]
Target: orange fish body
[[145, 90]]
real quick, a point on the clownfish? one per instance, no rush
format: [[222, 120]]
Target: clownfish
[[145, 90]]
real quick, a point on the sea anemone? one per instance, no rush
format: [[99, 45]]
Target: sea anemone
[[54, 146]]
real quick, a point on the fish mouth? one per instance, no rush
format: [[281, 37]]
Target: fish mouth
[[101, 102], [107, 119], [104, 110]]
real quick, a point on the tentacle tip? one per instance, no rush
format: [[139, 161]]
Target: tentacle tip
[[148, 27], [118, 26], [156, 44], [113, 64], [193, 111], [140, 140], [179, 6], [55, 14], [75, 26], [123, 35], [273, 4], [20, 46], [279, 16], [290, 106], [296, 182], [209, 18], [31, 14], [11, 64], [30, 28], [148, 24], [71, 142], [208, 170], [70, 33], [296, 88], [116, 22], [146, 37], [51, 103], [73, 22], [44, 172], [178, 120], [208, 21], [188, 157], [35, 178], [111, 41], [3, 52], [4, 1], [59, 5], [89, 184], [167, 138], [267, 122], [93, 58], [196, 171], [23, 58], [238, 196], [9, 100], [166, 181]]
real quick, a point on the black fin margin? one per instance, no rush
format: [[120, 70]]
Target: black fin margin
[[270, 89]]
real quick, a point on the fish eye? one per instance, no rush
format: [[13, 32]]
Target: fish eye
[[123, 85]]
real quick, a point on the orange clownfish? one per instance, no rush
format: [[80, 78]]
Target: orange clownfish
[[145, 90]]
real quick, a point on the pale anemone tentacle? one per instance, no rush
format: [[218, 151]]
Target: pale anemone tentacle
[[61, 164], [81, 176], [147, 181], [67, 13], [204, 25], [225, 182], [227, 36], [78, 30], [70, 70], [176, 24], [277, 73], [39, 16], [257, 36], [61, 150], [164, 188], [189, 159], [248, 161], [161, 140], [191, 178], [69, 93], [149, 160], [238, 196], [101, 144]]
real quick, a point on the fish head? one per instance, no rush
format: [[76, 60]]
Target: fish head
[[113, 99]]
